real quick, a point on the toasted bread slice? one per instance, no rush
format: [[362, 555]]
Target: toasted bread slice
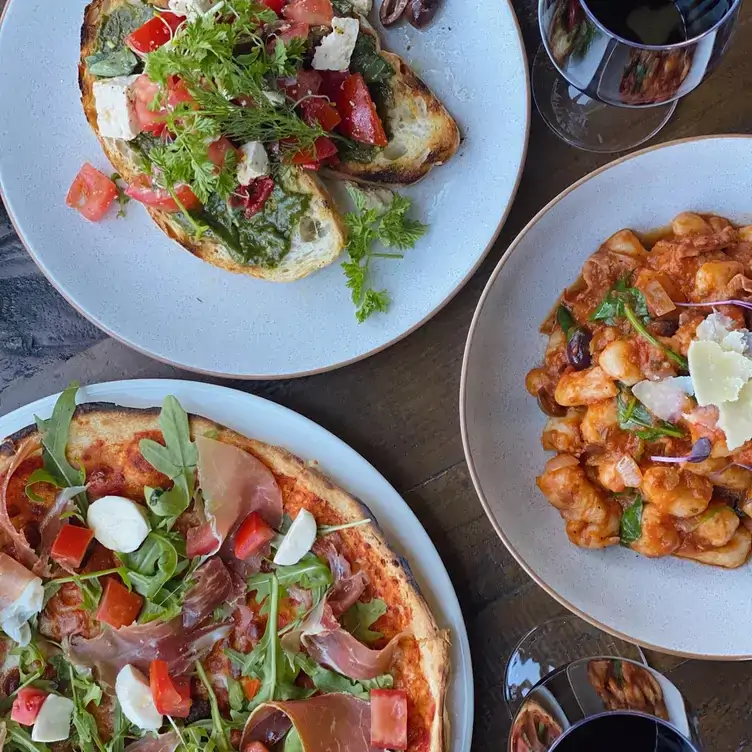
[[317, 241], [422, 133]]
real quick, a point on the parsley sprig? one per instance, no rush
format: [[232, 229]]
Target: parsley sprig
[[392, 228]]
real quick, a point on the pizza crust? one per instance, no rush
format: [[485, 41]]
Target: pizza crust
[[113, 425]]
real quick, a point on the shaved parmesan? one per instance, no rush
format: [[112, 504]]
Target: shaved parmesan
[[666, 399], [717, 375], [719, 329], [735, 418]]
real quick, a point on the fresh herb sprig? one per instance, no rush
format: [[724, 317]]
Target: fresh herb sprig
[[627, 303], [630, 528], [393, 229], [122, 197], [634, 417]]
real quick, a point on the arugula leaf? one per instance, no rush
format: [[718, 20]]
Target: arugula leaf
[[633, 416], [328, 529], [88, 584], [360, 616], [167, 602], [177, 460], [20, 739], [40, 475], [31, 661], [367, 226], [293, 742], [631, 522], [624, 302], [310, 573], [154, 563], [54, 436], [121, 729], [109, 63], [219, 734], [329, 681]]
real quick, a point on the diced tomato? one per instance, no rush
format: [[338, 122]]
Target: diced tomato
[[171, 696], [219, 149], [312, 12], [92, 193], [118, 607], [142, 189], [177, 93], [154, 33], [252, 536], [254, 196], [250, 686], [275, 5], [145, 92], [360, 121], [388, 719], [200, 541], [27, 705], [294, 30], [306, 83], [70, 545], [331, 83], [311, 159], [320, 112]]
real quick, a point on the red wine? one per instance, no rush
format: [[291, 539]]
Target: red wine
[[655, 22], [622, 733]]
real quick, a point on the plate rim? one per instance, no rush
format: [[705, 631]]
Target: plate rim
[[463, 393], [340, 364], [466, 678]]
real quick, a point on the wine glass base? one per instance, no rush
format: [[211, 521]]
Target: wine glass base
[[554, 644], [586, 123]]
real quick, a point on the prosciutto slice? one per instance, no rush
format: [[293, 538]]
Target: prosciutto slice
[[330, 645], [234, 483], [24, 552], [50, 526], [214, 585], [346, 592], [21, 597], [167, 742], [141, 644], [324, 723]]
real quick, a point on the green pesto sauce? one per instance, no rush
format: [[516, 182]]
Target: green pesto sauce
[[265, 239], [121, 22]]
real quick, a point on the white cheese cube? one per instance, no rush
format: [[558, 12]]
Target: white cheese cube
[[116, 114], [336, 49], [54, 720], [191, 8], [118, 523], [362, 6], [254, 162]]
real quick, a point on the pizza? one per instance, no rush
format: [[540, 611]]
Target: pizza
[[168, 584]]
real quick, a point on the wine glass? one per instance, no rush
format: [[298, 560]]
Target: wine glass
[[602, 695], [639, 56]]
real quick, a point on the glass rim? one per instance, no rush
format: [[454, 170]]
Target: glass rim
[[635, 713], [659, 47]]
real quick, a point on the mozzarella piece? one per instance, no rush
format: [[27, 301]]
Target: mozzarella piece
[[118, 523], [134, 694], [116, 113], [298, 541], [735, 418], [21, 597], [717, 375], [54, 720], [191, 8], [666, 399], [336, 49], [362, 6], [254, 162]]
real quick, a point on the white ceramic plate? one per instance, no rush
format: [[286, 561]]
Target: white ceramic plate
[[272, 423], [129, 279], [673, 605]]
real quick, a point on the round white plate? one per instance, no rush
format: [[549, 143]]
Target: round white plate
[[274, 424], [669, 604], [129, 279]]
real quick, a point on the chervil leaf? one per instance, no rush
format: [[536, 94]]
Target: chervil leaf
[[360, 616]]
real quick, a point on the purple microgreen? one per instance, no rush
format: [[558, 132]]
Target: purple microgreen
[[700, 452], [744, 467], [712, 303]]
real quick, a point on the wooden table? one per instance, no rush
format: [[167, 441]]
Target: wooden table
[[399, 409]]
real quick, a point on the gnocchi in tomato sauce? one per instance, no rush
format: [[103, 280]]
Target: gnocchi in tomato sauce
[[647, 384]]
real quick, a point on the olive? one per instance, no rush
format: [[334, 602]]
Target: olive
[[391, 11], [578, 349], [549, 405]]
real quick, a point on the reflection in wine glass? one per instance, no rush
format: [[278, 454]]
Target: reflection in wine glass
[[640, 56]]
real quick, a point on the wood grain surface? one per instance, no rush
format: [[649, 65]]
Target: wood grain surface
[[400, 409]]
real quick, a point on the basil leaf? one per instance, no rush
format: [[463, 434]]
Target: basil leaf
[[292, 741], [613, 306], [360, 616], [54, 436], [631, 522], [108, 64], [177, 460], [367, 61], [154, 563], [565, 319], [634, 416], [329, 681]]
